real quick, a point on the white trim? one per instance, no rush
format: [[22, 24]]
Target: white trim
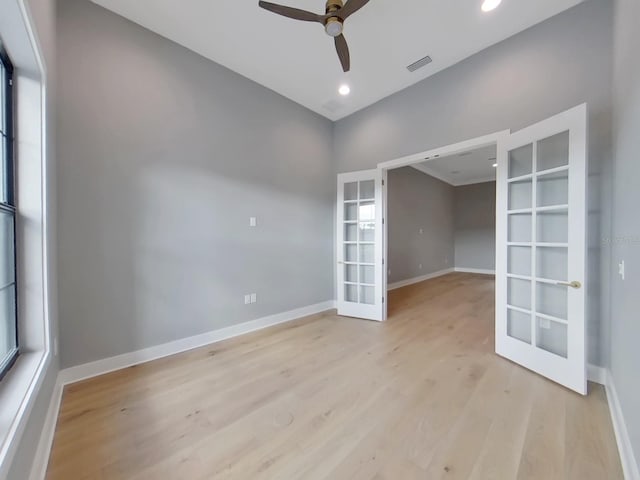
[[24, 398], [23, 383], [100, 367], [627, 458], [422, 278], [480, 271], [597, 374], [41, 458], [385, 243]]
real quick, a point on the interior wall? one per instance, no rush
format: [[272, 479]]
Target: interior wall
[[420, 224], [625, 235], [433, 226], [531, 76], [164, 156], [475, 226]]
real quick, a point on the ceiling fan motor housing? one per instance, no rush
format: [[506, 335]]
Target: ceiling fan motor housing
[[334, 5], [333, 25]]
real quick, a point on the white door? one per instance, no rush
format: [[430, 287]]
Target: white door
[[540, 248], [359, 245]]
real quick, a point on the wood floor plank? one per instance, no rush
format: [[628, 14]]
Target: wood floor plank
[[421, 396]]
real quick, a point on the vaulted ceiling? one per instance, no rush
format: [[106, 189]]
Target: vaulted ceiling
[[298, 60]]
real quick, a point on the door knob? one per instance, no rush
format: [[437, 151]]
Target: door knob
[[575, 284]]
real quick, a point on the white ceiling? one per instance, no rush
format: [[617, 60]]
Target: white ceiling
[[298, 60], [473, 166]]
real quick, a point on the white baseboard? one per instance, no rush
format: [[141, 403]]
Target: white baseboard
[[597, 374], [41, 459], [100, 367], [627, 458], [480, 271], [422, 278]]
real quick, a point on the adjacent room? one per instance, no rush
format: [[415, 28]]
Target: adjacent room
[[319, 239], [441, 217]]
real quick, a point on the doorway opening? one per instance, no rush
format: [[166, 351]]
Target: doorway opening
[[440, 207], [441, 218]]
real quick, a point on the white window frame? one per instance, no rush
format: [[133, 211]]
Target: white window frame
[[20, 387]]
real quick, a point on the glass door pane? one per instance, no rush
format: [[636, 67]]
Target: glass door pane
[[520, 197], [553, 152], [359, 227], [538, 231], [552, 336]]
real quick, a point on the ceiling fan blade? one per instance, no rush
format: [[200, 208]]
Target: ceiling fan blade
[[343, 52], [352, 6], [290, 12]]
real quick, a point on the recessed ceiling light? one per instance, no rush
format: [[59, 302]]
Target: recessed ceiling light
[[344, 90], [489, 5]]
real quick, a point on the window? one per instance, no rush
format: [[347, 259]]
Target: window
[[8, 313]]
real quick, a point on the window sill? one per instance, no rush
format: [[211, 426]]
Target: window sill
[[18, 391]]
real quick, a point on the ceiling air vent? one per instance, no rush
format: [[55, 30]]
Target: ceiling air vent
[[419, 64]]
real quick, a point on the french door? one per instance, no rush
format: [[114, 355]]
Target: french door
[[541, 244], [359, 245]]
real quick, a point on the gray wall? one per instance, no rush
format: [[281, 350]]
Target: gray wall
[[475, 226], [533, 75], [458, 225], [418, 201], [43, 16], [163, 157], [625, 238]]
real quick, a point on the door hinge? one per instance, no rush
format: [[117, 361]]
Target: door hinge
[[383, 182], [383, 221], [383, 261], [382, 299]]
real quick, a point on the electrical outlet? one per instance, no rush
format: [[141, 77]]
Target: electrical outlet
[[253, 222], [421, 231], [254, 298], [420, 267], [621, 270], [247, 299], [55, 347]]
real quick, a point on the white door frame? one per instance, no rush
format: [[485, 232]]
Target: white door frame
[[447, 150]]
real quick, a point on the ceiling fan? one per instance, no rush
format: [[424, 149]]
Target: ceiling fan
[[333, 21]]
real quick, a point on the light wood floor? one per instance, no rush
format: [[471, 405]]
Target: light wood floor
[[421, 396]]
